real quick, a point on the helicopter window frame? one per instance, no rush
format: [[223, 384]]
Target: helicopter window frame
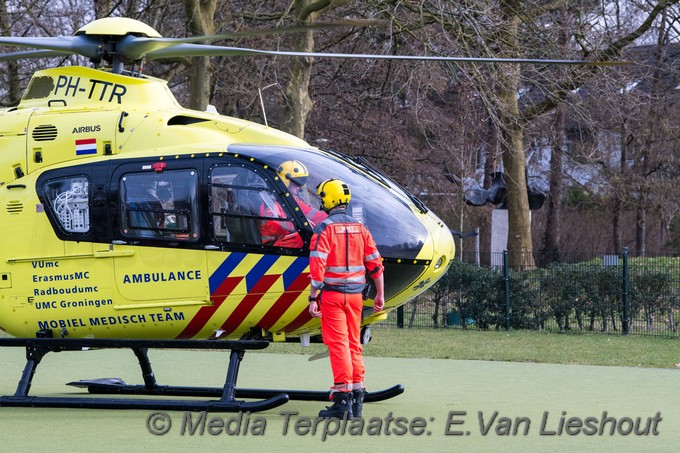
[[246, 209], [159, 205], [69, 200], [392, 217]]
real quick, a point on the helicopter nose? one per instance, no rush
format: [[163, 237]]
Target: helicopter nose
[[407, 278], [443, 246]]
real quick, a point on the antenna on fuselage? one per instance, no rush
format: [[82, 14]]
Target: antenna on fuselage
[[264, 113]]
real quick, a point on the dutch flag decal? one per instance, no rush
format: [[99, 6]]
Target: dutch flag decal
[[86, 146]]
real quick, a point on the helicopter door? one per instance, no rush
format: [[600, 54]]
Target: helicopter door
[[158, 214], [68, 136], [245, 210]]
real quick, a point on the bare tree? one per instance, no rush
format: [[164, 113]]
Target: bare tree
[[201, 19], [652, 155], [551, 235], [298, 102], [102, 8], [413, 119], [12, 76], [640, 160], [514, 29]]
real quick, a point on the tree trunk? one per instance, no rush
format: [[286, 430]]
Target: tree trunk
[[200, 17], [490, 153], [298, 102], [648, 147], [511, 123], [551, 236], [519, 217], [102, 8], [641, 226], [13, 88], [616, 225], [618, 207]]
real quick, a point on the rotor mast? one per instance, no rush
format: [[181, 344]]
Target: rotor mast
[[112, 32]]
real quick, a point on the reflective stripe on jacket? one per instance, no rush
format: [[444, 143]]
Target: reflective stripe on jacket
[[341, 252]]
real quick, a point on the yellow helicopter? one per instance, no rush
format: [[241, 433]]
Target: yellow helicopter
[[128, 221]]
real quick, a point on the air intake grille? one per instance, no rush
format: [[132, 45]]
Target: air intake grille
[[44, 133], [14, 207]]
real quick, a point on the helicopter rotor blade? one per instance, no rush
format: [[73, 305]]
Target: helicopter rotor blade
[[135, 48], [187, 50], [125, 40], [81, 45], [33, 54]]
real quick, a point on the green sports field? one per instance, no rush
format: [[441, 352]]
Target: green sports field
[[463, 405]]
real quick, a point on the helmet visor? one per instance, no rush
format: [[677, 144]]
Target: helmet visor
[[298, 180]]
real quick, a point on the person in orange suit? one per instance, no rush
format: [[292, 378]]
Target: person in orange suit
[[342, 252], [282, 233]]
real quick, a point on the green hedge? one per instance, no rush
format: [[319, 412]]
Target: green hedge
[[586, 296]]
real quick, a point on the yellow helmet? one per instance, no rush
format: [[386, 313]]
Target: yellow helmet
[[333, 192], [293, 171]]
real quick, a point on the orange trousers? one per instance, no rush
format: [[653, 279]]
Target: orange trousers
[[340, 327]]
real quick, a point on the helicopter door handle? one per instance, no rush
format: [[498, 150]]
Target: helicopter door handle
[[120, 121], [112, 253]]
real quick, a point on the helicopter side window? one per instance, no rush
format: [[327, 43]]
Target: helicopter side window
[[69, 200], [244, 210], [159, 205]]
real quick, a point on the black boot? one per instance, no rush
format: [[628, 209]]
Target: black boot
[[357, 402], [341, 408]]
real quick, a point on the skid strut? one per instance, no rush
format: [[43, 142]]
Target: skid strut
[[36, 348]]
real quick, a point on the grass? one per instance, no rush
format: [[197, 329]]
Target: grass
[[514, 346], [492, 378]]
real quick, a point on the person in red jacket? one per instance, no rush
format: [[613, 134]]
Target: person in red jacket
[[342, 252], [283, 233]]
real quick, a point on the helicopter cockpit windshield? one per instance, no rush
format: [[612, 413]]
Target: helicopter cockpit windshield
[[383, 208]]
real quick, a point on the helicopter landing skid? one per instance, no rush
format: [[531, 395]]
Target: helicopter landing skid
[[36, 348], [118, 386]]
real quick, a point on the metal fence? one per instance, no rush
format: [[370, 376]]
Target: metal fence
[[608, 293]]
